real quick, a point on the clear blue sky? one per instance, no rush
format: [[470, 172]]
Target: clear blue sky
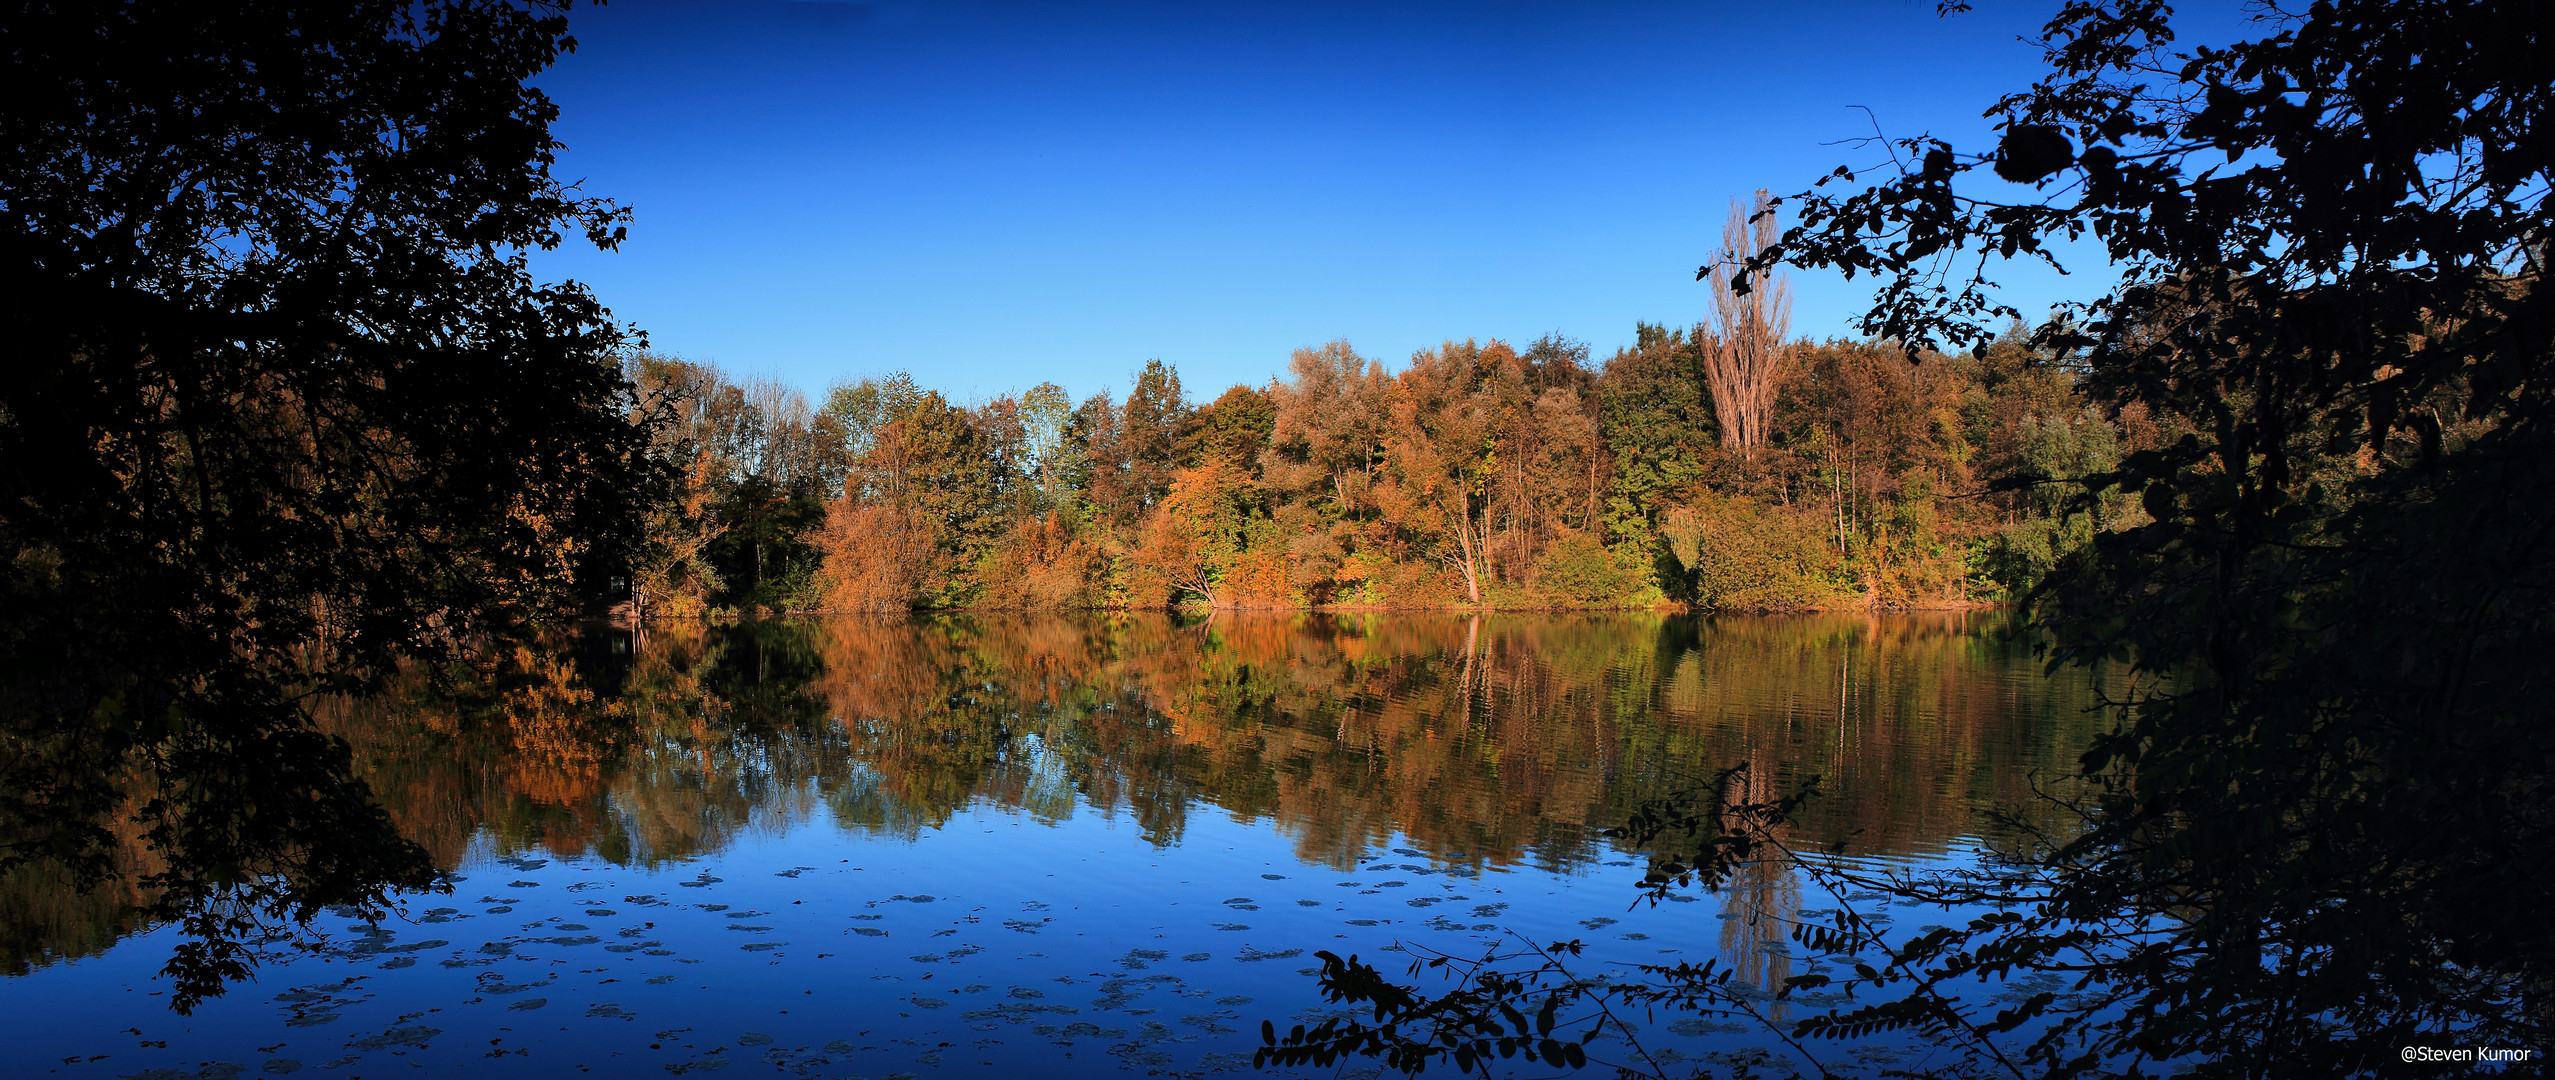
[[989, 195]]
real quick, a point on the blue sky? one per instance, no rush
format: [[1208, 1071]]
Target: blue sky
[[989, 195]]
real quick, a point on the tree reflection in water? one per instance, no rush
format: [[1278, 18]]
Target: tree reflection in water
[[1493, 740]]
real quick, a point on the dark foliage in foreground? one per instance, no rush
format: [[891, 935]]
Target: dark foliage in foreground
[[283, 407], [1706, 835], [2320, 831]]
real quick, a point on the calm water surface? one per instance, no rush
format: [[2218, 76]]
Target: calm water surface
[[977, 846]]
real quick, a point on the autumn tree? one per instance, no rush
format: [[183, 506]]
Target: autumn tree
[[1440, 458], [1234, 428], [921, 508], [1197, 536], [1330, 421], [674, 578]]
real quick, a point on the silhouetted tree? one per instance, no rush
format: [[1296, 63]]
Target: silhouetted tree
[[284, 406]]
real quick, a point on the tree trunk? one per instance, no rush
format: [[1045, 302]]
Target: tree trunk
[[1465, 542]]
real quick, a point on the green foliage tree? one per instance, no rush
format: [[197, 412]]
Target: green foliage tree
[[287, 408]]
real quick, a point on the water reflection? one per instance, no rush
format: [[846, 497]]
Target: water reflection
[[1492, 739], [1499, 741]]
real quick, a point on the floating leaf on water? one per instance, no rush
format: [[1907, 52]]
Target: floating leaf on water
[[1706, 1027], [415, 1036]]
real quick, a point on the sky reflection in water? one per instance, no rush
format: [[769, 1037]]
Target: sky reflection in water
[[964, 846]]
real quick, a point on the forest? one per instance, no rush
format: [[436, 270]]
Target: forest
[[1477, 474]]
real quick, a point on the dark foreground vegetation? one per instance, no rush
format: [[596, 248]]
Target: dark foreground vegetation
[[2319, 832], [284, 409], [290, 417]]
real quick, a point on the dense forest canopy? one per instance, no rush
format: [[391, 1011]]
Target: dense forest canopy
[[1474, 474]]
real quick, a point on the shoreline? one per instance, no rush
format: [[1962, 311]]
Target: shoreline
[[620, 616]]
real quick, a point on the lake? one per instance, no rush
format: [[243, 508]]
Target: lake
[[963, 845]]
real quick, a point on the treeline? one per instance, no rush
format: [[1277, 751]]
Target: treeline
[[1477, 474]]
